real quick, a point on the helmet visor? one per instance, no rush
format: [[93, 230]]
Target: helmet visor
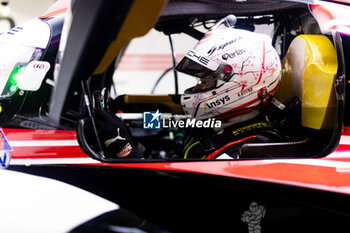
[[197, 65], [203, 85]]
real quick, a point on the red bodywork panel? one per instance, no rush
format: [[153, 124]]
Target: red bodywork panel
[[330, 173]]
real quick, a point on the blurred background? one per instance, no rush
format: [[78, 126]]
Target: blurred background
[[146, 65], [145, 60], [23, 10]]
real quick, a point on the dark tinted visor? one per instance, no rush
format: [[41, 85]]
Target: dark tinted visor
[[190, 67]]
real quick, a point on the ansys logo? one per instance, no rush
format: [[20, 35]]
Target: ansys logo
[[151, 120], [5, 147]]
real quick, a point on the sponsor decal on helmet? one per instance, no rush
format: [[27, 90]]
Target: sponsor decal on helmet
[[242, 93], [204, 61], [218, 102], [232, 55], [198, 57], [220, 47]]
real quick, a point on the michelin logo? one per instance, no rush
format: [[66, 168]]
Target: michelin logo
[[152, 120], [253, 217]]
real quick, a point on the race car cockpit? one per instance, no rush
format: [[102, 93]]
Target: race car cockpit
[[302, 118], [257, 96]]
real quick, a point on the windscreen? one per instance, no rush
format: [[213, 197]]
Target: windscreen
[[11, 58]]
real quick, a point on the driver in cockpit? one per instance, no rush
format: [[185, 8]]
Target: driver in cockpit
[[238, 73]]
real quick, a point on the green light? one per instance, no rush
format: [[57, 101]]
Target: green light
[[13, 88], [15, 77], [17, 73]]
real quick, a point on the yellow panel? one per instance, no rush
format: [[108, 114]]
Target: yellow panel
[[311, 65], [140, 19], [283, 92]]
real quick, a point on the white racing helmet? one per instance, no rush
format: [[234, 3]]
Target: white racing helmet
[[238, 71]]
